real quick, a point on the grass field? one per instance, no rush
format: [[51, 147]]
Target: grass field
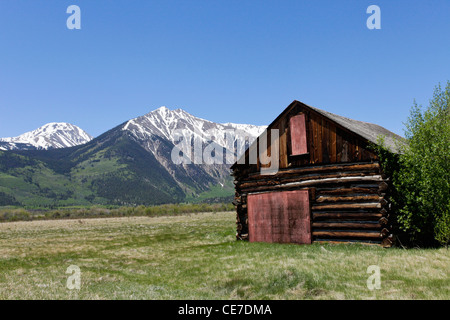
[[196, 257]]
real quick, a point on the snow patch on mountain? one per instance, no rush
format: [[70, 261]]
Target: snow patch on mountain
[[52, 135], [179, 125]]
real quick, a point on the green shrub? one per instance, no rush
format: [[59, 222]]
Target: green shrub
[[421, 173], [13, 214], [10, 215]]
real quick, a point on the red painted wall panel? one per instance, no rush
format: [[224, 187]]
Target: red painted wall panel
[[297, 127], [282, 217]]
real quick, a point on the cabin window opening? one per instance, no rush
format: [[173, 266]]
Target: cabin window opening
[[297, 128]]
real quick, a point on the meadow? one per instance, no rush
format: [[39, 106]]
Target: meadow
[[196, 256]]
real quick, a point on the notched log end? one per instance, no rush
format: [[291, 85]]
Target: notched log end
[[388, 242]]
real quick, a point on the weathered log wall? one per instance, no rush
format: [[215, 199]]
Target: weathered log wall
[[349, 202]]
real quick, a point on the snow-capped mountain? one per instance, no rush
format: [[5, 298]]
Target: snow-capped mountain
[[179, 125], [130, 164], [161, 130], [53, 135]]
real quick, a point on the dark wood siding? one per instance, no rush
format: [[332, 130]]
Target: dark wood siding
[[327, 142]]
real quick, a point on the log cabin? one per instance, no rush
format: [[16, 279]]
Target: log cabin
[[329, 185]]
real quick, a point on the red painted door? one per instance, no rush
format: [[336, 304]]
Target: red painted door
[[282, 217]]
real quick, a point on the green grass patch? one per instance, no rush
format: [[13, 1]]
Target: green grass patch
[[220, 191], [196, 256]]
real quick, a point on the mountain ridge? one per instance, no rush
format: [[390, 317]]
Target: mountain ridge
[[49, 136], [129, 164]]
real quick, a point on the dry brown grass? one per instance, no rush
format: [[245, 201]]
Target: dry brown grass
[[196, 257]]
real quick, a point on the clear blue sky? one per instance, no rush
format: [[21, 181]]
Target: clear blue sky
[[224, 60]]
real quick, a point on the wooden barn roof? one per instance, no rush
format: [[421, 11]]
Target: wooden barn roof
[[367, 130]]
